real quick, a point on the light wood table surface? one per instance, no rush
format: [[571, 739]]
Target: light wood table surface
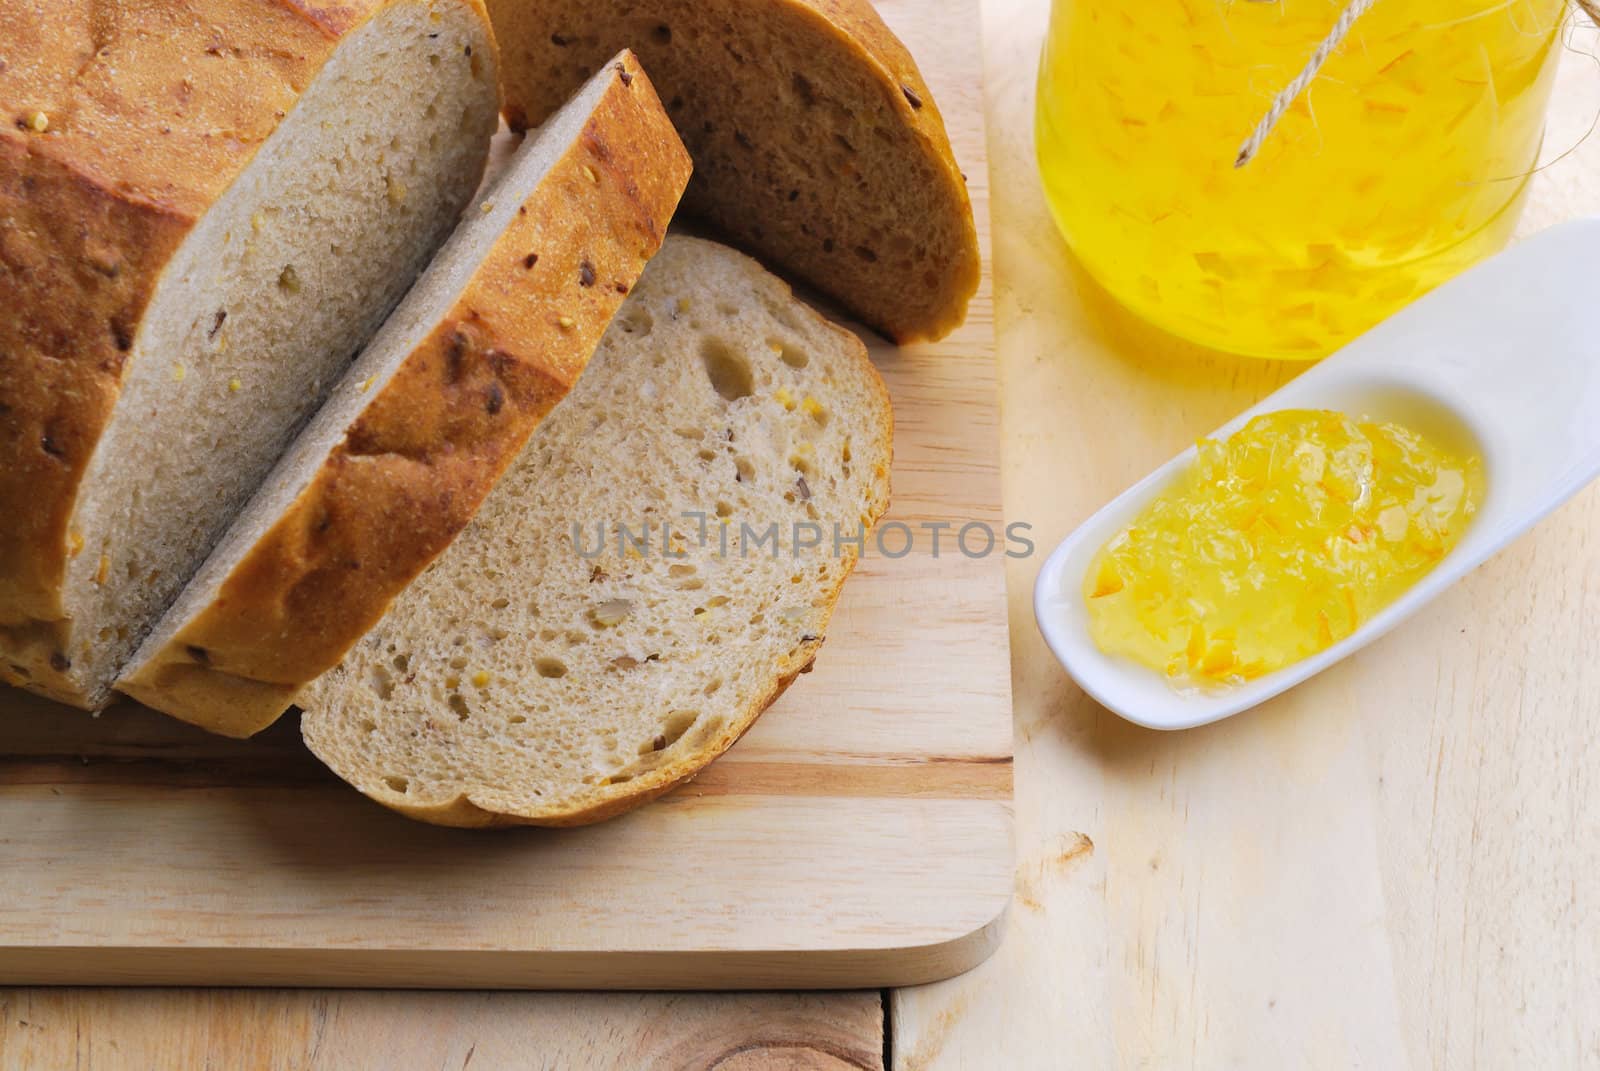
[[1396, 865]]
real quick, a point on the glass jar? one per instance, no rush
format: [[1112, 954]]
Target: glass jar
[[1405, 161]]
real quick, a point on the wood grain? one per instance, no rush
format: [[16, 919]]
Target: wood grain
[[1395, 865], [860, 835], [96, 1030]]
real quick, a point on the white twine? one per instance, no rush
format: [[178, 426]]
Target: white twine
[[1335, 38], [1287, 96]]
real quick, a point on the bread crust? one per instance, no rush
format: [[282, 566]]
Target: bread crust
[[547, 44], [132, 152], [425, 451]]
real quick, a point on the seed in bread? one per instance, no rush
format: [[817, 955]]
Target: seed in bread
[[656, 568]]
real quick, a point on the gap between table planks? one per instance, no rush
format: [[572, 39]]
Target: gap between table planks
[[859, 836]]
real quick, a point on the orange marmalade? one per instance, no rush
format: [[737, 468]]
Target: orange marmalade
[[1276, 544]]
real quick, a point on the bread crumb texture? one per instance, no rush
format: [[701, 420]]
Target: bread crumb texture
[[643, 582]]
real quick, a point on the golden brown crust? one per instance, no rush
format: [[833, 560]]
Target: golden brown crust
[[414, 467], [231, 706], [111, 150], [611, 801], [547, 45]]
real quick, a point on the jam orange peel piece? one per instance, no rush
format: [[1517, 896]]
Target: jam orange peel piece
[[1276, 544]]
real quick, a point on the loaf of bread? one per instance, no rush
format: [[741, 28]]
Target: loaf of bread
[[657, 566], [208, 207], [816, 143], [395, 464]]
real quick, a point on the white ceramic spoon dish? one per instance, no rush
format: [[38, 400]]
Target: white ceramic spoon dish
[[1503, 361]]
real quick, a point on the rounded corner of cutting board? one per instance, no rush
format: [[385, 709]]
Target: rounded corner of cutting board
[[945, 957]]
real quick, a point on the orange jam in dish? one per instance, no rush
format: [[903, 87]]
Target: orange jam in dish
[[1277, 544]]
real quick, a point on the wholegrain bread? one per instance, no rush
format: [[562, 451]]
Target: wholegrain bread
[[539, 672], [394, 465], [816, 143], [208, 207]]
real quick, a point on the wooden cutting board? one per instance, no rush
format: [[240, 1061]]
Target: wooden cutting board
[[860, 835]]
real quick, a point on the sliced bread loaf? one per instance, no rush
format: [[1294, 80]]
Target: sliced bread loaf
[[816, 143], [208, 207], [534, 675], [394, 465]]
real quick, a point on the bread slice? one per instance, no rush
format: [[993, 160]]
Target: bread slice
[[492, 336], [816, 143], [208, 208], [533, 675]]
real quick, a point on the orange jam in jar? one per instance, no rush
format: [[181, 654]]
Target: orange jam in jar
[[1402, 163], [1277, 544]]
